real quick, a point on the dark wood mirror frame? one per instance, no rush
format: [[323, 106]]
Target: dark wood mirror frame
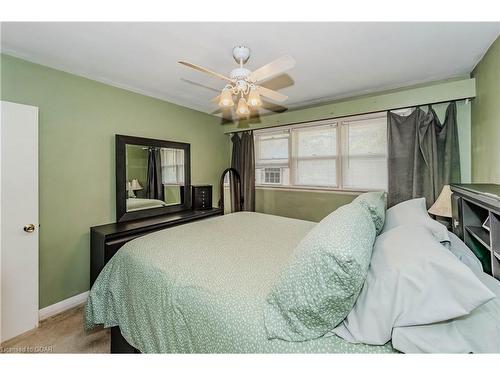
[[121, 176]]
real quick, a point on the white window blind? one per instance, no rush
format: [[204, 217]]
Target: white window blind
[[272, 149], [315, 156], [172, 166], [364, 154]]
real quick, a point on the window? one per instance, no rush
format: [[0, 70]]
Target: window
[[172, 166], [348, 153]]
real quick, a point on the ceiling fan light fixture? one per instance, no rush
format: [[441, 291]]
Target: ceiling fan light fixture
[[243, 85], [226, 98], [242, 109], [254, 97]]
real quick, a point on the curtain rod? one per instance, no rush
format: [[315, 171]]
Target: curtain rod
[[467, 100]]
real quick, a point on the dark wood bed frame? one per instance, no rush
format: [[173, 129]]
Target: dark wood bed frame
[[118, 343]]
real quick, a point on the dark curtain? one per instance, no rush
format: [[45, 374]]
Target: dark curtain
[[154, 188], [423, 154], [247, 172], [234, 184], [448, 149], [236, 154]]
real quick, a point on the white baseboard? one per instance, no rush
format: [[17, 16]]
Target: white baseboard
[[62, 306]]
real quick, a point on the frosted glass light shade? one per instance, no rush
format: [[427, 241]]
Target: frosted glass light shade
[[254, 98], [226, 98], [442, 205], [242, 109]]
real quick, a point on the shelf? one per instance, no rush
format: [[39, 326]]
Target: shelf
[[480, 234]]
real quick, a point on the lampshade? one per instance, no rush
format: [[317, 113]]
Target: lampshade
[[254, 98], [226, 98], [242, 109], [128, 186], [442, 205], [135, 184]]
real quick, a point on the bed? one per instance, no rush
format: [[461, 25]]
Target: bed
[[134, 204], [201, 287]]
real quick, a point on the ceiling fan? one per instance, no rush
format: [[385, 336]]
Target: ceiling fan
[[244, 85]]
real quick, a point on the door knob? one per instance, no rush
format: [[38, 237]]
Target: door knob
[[29, 228]]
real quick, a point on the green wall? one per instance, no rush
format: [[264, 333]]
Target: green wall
[[486, 118], [78, 120], [314, 205]]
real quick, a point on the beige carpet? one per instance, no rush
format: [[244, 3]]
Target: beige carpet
[[61, 333]]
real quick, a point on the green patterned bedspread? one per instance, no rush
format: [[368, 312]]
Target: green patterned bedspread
[[200, 288]]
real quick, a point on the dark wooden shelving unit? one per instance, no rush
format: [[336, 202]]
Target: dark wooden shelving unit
[[472, 204], [480, 234]]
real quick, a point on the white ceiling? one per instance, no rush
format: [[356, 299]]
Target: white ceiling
[[334, 60]]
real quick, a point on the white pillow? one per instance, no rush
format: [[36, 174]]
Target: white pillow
[[414, 212], [464, 254], [412, 280], [477, 332]]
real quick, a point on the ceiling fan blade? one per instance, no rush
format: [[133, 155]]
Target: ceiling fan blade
[[205, 86], [225, 121], [227, 116], [205, 70], [271, 94], [254, 117], [272, 69], [273, 107]]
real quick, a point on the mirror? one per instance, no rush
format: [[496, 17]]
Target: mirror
[[150, 183], [152, 177], [231, 196]]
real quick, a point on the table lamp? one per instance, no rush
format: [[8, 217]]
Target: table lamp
[[442, 206]]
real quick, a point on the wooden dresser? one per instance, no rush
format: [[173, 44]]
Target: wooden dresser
[[476, 220], [106, 240]]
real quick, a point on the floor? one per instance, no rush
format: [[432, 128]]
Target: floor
[[61, 333]]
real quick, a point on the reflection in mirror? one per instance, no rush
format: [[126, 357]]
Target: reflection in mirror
[[231, 197], [155, 177]]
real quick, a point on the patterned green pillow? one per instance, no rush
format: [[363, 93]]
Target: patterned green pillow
[[375, 203], [320, 286]]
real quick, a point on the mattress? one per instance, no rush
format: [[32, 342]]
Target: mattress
[[201, 288]]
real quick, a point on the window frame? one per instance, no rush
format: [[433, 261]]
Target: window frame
[[338, 123]]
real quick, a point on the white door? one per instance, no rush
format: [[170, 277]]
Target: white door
[[18, 219]]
